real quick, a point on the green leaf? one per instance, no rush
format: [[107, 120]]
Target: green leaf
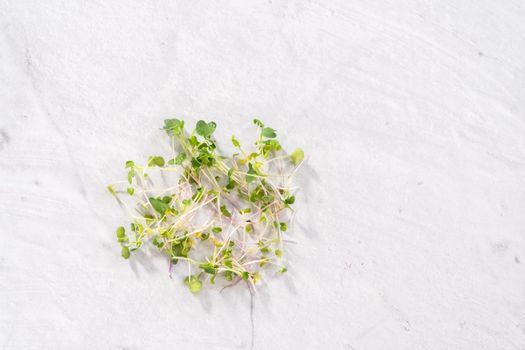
[[205, 129], [268, 146], [228, 275], [130, 164], [159, 161], [258, 123], [179, 249], [125, 253], [245, 275], [297, 156], [269, 133], [193, 283], [156, 242], [289, 200], [121, 232], [278, 252], [158, 205], [180, 158], [225, 211], [256, 194], [245, 211], [230, 185], [131, 190], [112, 190], [193, 141], [156, 160], [251, 172], [283, 270], [174, 126], [282, 226], [209, 268], [235, 142], [216, 229], [131, 174]]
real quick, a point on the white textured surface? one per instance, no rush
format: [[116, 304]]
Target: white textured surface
[[412, 214]]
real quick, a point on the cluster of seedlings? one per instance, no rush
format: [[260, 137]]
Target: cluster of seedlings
[[223, 217]]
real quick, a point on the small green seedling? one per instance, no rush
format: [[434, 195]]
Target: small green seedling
[[193, 283], [223, 216]]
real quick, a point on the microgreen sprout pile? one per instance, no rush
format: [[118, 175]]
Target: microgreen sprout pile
[[222, 218]]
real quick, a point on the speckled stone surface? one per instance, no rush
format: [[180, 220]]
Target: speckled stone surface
[[411, 218]]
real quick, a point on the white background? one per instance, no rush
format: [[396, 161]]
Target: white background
[[411, 216]]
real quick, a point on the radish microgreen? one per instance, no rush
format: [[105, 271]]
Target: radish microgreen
[[224, 217]]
